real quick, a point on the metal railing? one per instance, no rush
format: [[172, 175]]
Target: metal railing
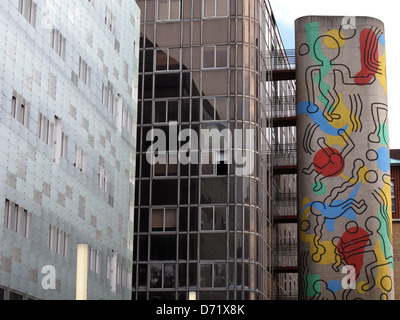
[[283, 106]]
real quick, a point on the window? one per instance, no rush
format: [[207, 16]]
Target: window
[[108, 96], [17, 219], [103, 178], [94, 260], [213, 218], [215, 109], [213, 275], [58, 43], [169, 9], [167, 164], [166, 111], [168, 59], [80, 159], [162, 276], [215, 8], [19, 109], [84, 72], [28, 9], [58, 241], [102, 175], [46, 130], [110, 20], [215, 57], [163, 219]]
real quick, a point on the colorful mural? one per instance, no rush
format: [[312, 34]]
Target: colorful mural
[[343, 159]]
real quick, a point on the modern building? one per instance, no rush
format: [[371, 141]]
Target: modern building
[[344, 194], [213, 71], [68, 81]]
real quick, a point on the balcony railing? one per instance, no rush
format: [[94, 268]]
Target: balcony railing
[[285, 155], [283, 106]]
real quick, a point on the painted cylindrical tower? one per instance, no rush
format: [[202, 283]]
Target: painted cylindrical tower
[[344, 192]]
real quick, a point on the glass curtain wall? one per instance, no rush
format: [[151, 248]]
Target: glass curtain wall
[[203, 226]]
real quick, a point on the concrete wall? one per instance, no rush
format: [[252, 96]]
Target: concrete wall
[[343, 151]]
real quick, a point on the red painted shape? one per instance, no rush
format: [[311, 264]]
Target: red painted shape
[[351, 247], [369, 57], [329, 162]]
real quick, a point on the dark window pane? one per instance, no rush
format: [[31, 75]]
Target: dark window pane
[[206, 218], [143, 248], [162, 295], [208, 57], [165, 192], [169, 276], [195, 110], [184, 192], [192, 274], [213, 246], [149, 60], [220, 275], [206, 275], [148, 86], [156, 276], [220, 218], [183, 246], [182, 275], [142, 276], [144, 220], [167, 85], [185, 110], [193, 219], [174, 59], [144, 192], [163, 247], [172, 111], [147, 112], [183, 218], [157, 220], [192, 247], [161, 60], [214, 190], [160, 111], [170, 219]]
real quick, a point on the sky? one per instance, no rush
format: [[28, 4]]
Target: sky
[[287, 11]]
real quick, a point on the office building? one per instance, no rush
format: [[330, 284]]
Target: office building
[[213, 71], [68, 81]]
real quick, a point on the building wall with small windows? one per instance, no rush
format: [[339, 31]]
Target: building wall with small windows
[[68, 104]]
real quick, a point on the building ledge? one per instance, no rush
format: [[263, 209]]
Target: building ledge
[[293, 269], [285, 219], [285, 169]]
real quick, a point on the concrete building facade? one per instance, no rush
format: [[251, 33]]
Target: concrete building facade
[[344, 194], [68, 81]]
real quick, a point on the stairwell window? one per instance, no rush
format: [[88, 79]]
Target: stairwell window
[[84, 71], [19, 109], [17, 219], [58, 43], [28, 9]]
